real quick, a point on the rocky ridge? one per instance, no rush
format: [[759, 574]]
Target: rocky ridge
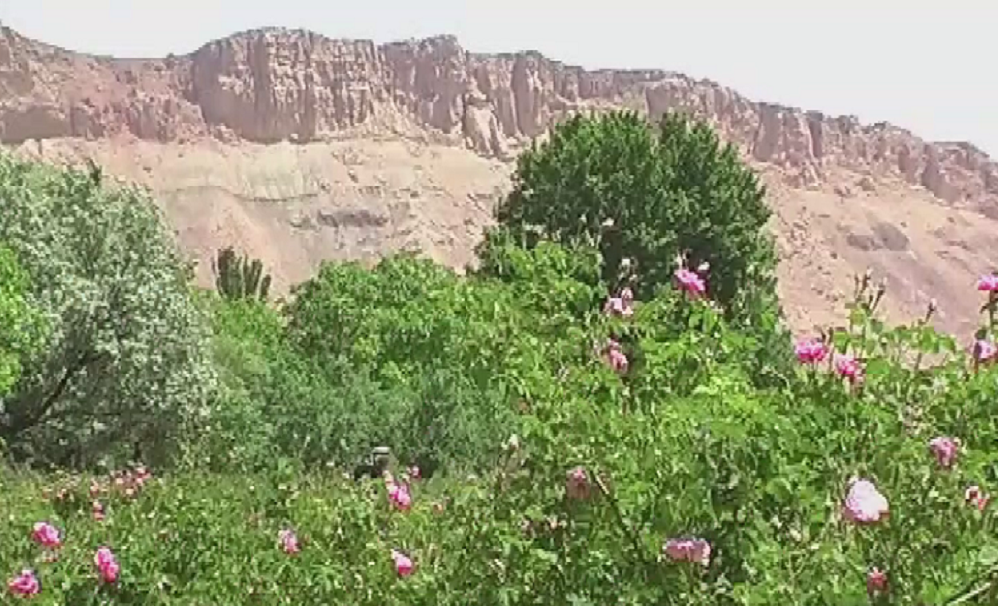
[[296, 148], [273, 85]]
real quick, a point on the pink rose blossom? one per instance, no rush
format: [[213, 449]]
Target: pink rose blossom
[[289, 541], [403, 565], [977, 498], [985, 350], [988, 283], [615, 357], [618, 361], [25, 584], [811, 351], [849, 367], [577, 484], [945, 449], [107, 565], [864, 504], [876, 581], [621, 305], [46, 535], [690, 282], [398, 495], [689, 550], [617, 306], [142, 475]]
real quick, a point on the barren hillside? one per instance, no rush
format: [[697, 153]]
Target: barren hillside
[[296, 148]]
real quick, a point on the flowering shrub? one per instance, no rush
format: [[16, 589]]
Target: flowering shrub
[[549, 443]]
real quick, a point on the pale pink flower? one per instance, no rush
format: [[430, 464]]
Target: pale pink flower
[[398, 495], [617, 360], [690, 282], [945, 449], [107, 565], [403, 565], [876, 581], [98, 511], [985, 350], [617, 306], [615, 357], [25, 584], [849, 367], [977, 498], [811, 351], [864, 504], [142, 475], [988, 283], [689, 550], [46, 535], [95, 489], [289, 541], [621, 305], [577, 484]]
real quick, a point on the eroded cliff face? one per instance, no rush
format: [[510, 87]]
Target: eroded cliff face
[[272, 85]]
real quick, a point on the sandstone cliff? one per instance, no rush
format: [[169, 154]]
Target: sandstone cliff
[[297, 148], [271, 85]]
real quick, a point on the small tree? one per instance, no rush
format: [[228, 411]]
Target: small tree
[[236, 277], [127, 358], [645, 196]]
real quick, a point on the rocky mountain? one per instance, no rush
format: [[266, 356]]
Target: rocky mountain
[[297, 147]]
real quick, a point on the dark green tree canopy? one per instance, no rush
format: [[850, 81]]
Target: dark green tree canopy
[[646, 195]]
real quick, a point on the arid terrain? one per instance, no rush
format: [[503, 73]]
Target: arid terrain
[[297, 148]]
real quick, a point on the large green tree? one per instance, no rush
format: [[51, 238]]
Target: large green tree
[[647, 195], [127, 357]]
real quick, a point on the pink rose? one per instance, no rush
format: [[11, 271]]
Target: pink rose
[[864, 504]]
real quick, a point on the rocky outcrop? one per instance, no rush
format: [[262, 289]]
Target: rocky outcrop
[[272, 85]]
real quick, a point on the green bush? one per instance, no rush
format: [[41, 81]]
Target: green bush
[[681, 445], [446, 355], [126, 357]]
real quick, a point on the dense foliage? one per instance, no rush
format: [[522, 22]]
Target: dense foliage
[[125, 359], [644, 196], [549, 444], [20, 324], [641, 196]]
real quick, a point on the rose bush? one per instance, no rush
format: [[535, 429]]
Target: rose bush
[[553, 437], [675, 481]]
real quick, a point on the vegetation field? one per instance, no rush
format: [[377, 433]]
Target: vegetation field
[[607, 409]]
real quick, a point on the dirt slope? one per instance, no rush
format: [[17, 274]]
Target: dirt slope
[[299, 148]]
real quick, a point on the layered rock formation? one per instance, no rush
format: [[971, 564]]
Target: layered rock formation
[[296, 148], [273, 84]]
